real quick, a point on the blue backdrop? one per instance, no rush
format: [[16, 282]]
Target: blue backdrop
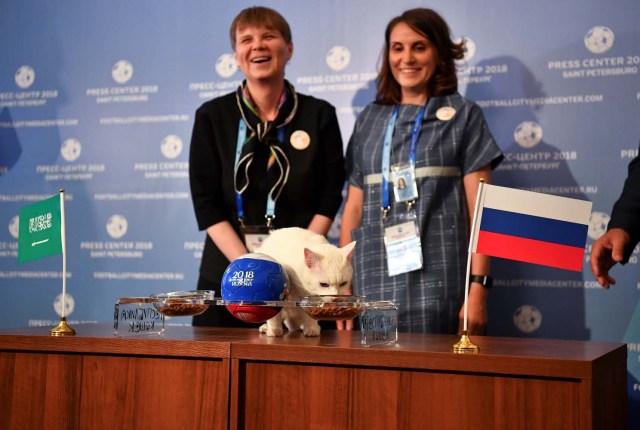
[[98, 98]]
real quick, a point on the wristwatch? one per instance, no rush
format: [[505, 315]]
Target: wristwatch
[[484, 280]]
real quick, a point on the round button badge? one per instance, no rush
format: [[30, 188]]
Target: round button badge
[[300, 139], [445, 113]]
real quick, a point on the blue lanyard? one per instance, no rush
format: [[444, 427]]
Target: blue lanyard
[[271, 204], [386, 153]]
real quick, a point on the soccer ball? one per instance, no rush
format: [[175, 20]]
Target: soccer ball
[[122, 71], [254, 278], [25, 76], [71, 149], [226, 65], [528, 134], [171, 146], [338, 58], [527, 318], [117, 226], [598, 224], [599, 39], [253, 314]]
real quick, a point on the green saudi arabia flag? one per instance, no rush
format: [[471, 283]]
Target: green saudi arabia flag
[[39, 233]]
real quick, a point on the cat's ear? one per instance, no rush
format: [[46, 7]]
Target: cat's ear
[[310, 259], [347, 251]]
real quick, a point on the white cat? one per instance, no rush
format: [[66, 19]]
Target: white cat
[[314, 267]]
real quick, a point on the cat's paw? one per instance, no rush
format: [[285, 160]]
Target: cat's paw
[[275, 331], [271, 331], [312, 331]]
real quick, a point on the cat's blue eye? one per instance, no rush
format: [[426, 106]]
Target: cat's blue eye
[[324, 285]]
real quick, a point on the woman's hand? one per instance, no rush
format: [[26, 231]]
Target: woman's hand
[[226, 239], [477, 317]]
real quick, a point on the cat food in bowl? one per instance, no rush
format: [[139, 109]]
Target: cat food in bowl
[[182, 303], [332, 307]]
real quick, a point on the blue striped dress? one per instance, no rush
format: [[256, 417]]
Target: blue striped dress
[[429, 299]]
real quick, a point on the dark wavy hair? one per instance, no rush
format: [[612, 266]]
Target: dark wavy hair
[[260, 16], [431, 25]]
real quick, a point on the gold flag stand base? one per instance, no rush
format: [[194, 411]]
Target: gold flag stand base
[[62, 329], [465, 346]]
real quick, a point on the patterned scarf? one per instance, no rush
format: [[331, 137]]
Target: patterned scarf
[[265, 133]]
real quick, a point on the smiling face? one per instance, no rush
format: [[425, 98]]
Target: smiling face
[[261, 53], [412, 59]]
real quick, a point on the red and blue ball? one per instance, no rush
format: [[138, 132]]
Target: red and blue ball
[[255, 278]]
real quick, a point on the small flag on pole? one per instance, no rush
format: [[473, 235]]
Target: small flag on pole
[[531, 227], [41, 233], [40, 230]]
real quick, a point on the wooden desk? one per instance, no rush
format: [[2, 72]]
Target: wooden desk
[[236, 378]]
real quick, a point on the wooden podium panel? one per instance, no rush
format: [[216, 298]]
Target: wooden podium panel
[[329, 397], [332, 382], [102, 382]]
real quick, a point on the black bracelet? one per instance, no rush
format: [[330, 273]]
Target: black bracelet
[[485, 280]]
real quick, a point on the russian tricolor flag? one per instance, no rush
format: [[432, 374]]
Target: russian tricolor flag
[[531, 227]]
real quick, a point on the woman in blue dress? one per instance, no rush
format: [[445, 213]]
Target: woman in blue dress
[[413, 242]]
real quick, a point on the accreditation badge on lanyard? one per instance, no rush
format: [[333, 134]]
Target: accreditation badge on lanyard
[[401, 233], [402, 243], [405, 187], [254, 235]]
